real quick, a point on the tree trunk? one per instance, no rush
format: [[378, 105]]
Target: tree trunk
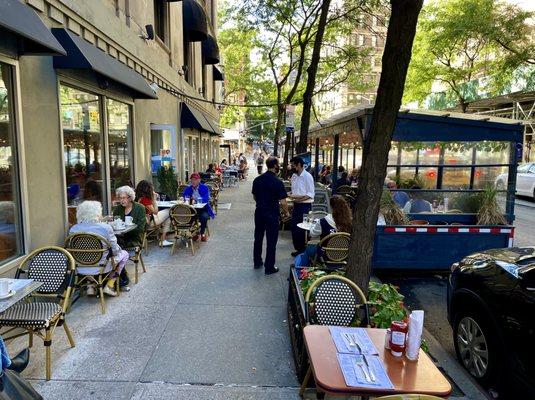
[[395, 62], [280, 119], [286, 159], [311, 79]]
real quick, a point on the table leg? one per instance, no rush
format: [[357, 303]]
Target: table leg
[[305, 381]]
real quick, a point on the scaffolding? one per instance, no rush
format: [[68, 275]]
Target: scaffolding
[[519, 106]]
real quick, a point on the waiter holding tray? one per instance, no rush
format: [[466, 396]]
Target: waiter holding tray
[[303, 196]]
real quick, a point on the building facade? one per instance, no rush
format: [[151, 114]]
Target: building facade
[[94, 95]]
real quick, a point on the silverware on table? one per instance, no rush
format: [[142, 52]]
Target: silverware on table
[[360, 363], [370, 369]]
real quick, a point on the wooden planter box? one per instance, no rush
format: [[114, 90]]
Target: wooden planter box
[[296, 324]]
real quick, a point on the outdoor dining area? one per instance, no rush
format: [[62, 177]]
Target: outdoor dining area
[[92, 262], [437, 199]]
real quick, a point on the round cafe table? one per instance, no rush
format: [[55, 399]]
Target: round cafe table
[[306, 226]]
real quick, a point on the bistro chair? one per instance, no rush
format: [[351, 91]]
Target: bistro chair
[[45, 310], [320, 208], [185, 224], [180, 191], [135, 255], [214, 195], [94, 262], [152, 232], [318, 214], [334, 300], [333, 251], [344, 189]]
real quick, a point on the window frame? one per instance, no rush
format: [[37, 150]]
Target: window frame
[[164, 21], [21, 189], [103, 96]]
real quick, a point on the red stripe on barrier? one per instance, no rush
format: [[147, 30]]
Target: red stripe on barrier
[[473, 230], [390, 230], [411, 230], [454, 230], [495, 230], [512, 233], [432, 230]]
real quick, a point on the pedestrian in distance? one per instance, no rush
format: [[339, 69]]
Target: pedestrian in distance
[[260, 163], [303, 196], [269, 194]]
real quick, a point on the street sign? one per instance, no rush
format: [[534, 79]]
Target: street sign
[[290, 116]]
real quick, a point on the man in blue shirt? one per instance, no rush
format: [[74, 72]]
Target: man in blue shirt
[[400, 197], [268, 192], [198, 192]]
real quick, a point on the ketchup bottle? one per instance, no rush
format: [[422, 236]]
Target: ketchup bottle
[[397, 340]]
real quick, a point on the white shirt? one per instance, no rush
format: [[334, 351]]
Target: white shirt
[[303, 185]]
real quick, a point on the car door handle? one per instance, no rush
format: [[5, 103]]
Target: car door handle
[[531, 289]]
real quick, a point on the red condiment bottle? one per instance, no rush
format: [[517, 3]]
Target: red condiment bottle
[[397, 340]]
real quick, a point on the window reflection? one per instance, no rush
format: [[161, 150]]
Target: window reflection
[[10, 230], [82, 142], [119, 133]]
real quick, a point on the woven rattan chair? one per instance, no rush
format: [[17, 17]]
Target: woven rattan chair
[[344, 189], [180, 190], [135, 254], [334, 300], [333, 251], [214, 195], [45, 309], [94, 261], [320, 208], [185, 224], [152, 232]]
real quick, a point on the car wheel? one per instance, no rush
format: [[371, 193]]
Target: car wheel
[[475, 345]]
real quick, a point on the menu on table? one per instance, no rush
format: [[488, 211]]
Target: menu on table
[[358, 359]]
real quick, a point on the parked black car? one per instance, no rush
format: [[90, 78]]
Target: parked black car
[[491, 308]]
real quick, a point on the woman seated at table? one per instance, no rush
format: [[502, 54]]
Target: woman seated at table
[[89, 217], [242, 170], [338, 221], [146, 196], [127, 207]]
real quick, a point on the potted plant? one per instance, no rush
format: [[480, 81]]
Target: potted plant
[[489, 211], [167, 182], [390, 210]]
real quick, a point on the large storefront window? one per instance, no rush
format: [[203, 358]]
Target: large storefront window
[[86, 171], [119, 133], [10, 227]]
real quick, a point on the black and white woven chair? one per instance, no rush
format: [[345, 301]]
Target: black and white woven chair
[[333, 251], [185, 224], [45, 309], [334, 300], [94, 261]]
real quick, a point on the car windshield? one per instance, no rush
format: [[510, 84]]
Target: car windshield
[[524, 168]]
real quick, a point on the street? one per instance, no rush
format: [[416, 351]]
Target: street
[[428, 291]]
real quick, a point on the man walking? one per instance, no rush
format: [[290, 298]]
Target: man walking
[[260, 163], [303, 197], [268, 191]]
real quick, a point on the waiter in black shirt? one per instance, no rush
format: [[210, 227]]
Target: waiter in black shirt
[[268, 191]]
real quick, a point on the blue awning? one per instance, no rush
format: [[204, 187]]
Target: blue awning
[[218, 75], [210, 51], [34, 37], [83, 55]]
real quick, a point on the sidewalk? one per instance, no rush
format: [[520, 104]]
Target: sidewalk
[[206, 326]]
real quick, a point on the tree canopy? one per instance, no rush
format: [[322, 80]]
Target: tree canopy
[[470, 48]]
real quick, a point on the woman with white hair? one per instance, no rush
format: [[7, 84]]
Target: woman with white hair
[[89, 217], [127, 207]]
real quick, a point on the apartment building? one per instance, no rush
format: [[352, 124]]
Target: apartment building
[[94, 95]]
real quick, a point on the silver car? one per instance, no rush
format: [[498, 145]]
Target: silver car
[[525, 180]]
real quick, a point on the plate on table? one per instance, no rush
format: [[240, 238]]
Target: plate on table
[[8, 295]]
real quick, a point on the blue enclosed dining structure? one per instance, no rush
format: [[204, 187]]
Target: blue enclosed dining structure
[[440, 167]]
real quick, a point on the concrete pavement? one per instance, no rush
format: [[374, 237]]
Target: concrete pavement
[[206, 326]]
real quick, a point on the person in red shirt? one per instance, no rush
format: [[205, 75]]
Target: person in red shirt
[[146, 195]]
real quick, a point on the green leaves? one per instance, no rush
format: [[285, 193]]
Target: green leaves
[[467, 49]]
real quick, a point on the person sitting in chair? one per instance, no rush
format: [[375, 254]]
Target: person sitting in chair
[[417, 204], [198, 192], [146, 196], [338, 221], [89, 220]]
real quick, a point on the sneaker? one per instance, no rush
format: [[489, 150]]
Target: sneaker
[[167, 243], [109, 291], [204, 238], [90, 290]]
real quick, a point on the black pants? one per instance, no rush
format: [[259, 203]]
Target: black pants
[[260, 168], [203, 218], [266, 222], [298, 234]]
